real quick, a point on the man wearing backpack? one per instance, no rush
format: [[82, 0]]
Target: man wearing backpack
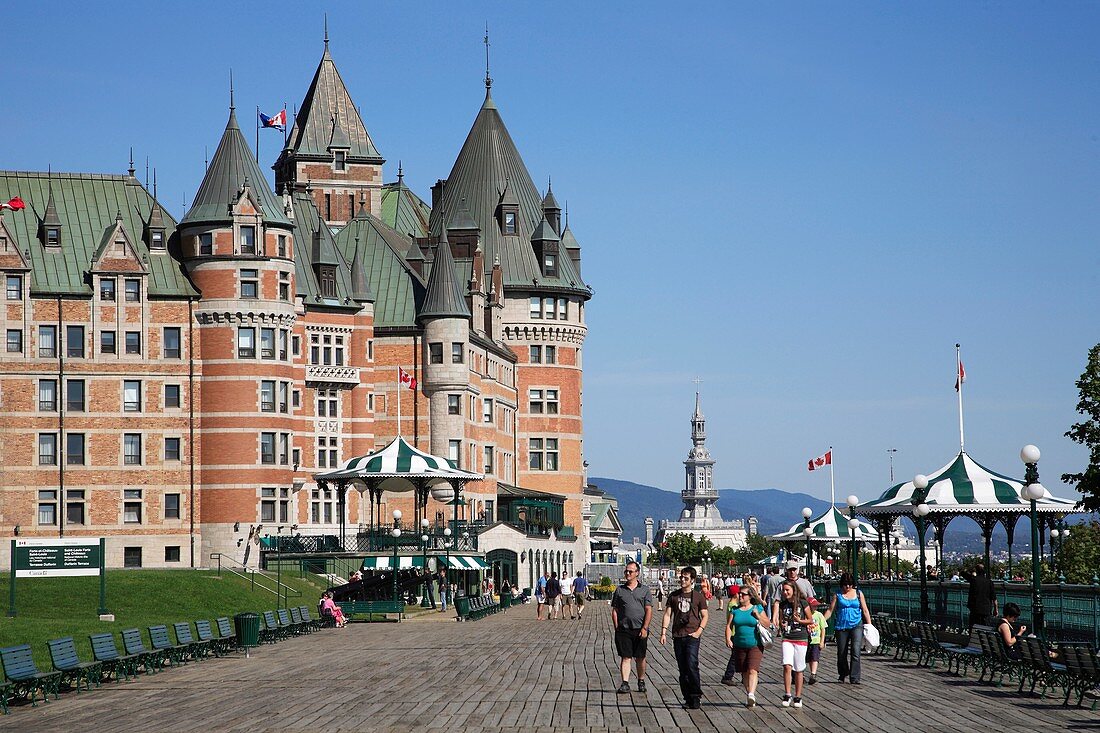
[[686, 616]]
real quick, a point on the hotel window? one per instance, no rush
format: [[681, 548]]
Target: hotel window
[[296, 457], [250, 283], [171, 449], [172, 553], [75, 506], [171, 395], [267, 505], [550, 264], [15, 341], [543, 454], [296, 345], [248, 240], [47, 507], [550, 355], [370, 349], [172, 506], [133, 291], [15, 287], [47, 341], [326, 349], [296, 398], [131, 557], [536, 307], [454, 404], [281, 245], [488, 463], [131, 396], [47, 395], [327, 453], [173, 338], [454, 452], [131, 455], [284, 337], [351, 205], [133, 342], [548, 309], [457, 352], [543, 401], [487, 410], [321, 508], [327, 281], [74, 449], [284, 391], [339, 160], [47, 449], [563, 309], [156, 239], [206, 244], [510, 222], [284, 286], [267, 396], [328, 402], [328, 206], [107, 343], [107, 288], [536, 354], [246, 343], [267, 343], [131, 506], [435, 353], [284, 449], [53, 237], [267, 447], [74, 395]]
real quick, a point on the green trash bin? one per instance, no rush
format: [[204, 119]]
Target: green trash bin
[[248, 630]]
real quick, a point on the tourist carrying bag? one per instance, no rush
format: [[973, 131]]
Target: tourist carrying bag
[[763, 637], [870, 636]]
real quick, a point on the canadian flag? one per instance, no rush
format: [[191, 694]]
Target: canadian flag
[[960, 377], [15, 204], [825, 460], [407, 379]]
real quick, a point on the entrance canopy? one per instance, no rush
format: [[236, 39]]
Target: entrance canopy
[[385, 562], [400, 467], [464, 562], [832, 526]]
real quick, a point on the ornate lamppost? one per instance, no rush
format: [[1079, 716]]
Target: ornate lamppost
[[424, 602], [807, 531], [395, 533], [920, 518], [447, 547], [1033, 491], [853, 529], [706, 562]]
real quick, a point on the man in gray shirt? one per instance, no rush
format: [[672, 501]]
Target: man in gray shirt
[[804, 585], [631, 610], [772, 583]]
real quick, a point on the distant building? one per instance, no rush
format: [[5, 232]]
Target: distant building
[[700, 516], [600, 513]]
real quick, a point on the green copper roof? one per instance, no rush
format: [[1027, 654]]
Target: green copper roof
[[488, 169], [328, 100], [403, 210], [545, 233], [446, 297], [232, 166], [85, 206], [380, 252], [312, 236]]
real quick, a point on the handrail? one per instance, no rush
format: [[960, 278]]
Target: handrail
[[281, 590]]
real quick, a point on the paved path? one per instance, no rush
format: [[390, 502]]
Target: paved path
[[509, 673]]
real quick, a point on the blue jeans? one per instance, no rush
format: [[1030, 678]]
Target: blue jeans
[[849, 644], [687, 659]]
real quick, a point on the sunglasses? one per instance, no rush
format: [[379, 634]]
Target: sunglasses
[[631, 572]]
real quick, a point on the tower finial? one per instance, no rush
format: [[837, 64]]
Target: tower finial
[[154, 184], [232, 105], [400, 172], [131, 170], [488, 79], [326, 31]]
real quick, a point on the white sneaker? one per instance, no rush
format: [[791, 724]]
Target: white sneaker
[[786, 701], [752, 701], [798, 702]]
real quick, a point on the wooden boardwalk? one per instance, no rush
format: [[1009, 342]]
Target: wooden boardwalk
[[509, 673]]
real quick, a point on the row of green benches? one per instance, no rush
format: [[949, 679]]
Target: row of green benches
[[471, 608], [21, 676], [1075, 667], [351, 609]]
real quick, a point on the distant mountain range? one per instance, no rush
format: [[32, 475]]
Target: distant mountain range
[[775, 511]]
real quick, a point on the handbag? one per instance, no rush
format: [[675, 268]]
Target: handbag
[[763, 637], [871, 637]]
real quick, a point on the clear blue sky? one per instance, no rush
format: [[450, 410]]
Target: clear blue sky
[[804, 205]]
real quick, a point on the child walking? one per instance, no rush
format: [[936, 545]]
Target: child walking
[[817, 642]]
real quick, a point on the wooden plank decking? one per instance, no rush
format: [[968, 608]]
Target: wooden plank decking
[[509, 672]]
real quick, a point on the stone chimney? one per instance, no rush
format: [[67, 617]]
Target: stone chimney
[[649, 530]]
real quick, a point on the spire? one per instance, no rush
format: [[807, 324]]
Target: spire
[[698, 410], [131, 170], [232, 106], [326, 34], [488, 79], [360, 288], [445, 297], [400, 174]]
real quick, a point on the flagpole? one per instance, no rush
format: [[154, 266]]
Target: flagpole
[[399, 388], [257, 134], [832, 483], [959, 377]]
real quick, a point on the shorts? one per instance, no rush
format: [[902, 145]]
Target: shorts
[[747, 659], [540, 598], [813, 653], [578, 598], [630, 644], [566, 600], [794, 656]]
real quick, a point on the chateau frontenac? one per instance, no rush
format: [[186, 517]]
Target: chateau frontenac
[[175, 386]]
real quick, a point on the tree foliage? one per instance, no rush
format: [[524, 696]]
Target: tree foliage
[[1087, 432], [1079, 555], [757, 546]]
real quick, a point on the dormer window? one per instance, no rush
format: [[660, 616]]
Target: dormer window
[[53, 236], [509, 226], [339, 160], [327, 280], [206, 244], [107, 288], [133, 291], [248, 240], [550, 264], [156, 239]]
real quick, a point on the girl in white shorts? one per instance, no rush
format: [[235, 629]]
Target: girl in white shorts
[[792, 615]]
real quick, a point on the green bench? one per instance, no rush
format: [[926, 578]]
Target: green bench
[[151, 659], [471, 608], [105, 651], [19, 668], [370, 608], [67, 662], [175, 654], [196, 648]]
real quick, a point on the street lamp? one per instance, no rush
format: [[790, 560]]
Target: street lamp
[[1032, 491], [853, 529], [447, 547], [278, 565], [396, 534], [706, 561], [920, 518], [424, 523], [807, 531]]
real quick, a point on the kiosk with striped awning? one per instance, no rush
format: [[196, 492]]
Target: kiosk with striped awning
[[385, 562], [464, 562]]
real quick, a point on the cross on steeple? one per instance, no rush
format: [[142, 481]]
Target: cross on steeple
[[488, 79]]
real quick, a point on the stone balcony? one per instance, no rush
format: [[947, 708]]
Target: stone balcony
[[339, 375]]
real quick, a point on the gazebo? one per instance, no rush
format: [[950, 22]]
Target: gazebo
[[398, 467], [965, 488], [832, 526]]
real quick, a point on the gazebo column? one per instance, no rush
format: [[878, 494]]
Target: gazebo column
[[421, 512], [374, 495], [342, 504], [1010, 530], [987, 524]]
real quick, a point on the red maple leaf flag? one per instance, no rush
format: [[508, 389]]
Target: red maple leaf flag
[[960, 378], [407, 380], [15, 204], [821, 461]]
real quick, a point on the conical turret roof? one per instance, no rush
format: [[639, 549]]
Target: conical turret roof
[[327, 101], [360, 288], [544, 232], [231, 168], [445, 298]]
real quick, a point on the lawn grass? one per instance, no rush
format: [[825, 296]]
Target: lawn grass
[[50, 608]]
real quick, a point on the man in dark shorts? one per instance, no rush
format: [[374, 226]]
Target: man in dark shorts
[[631, 611], [580, 591], [686, 616]]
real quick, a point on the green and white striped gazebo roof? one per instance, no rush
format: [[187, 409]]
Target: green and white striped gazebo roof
[[965, 487], [832, 526], [400, 466]]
